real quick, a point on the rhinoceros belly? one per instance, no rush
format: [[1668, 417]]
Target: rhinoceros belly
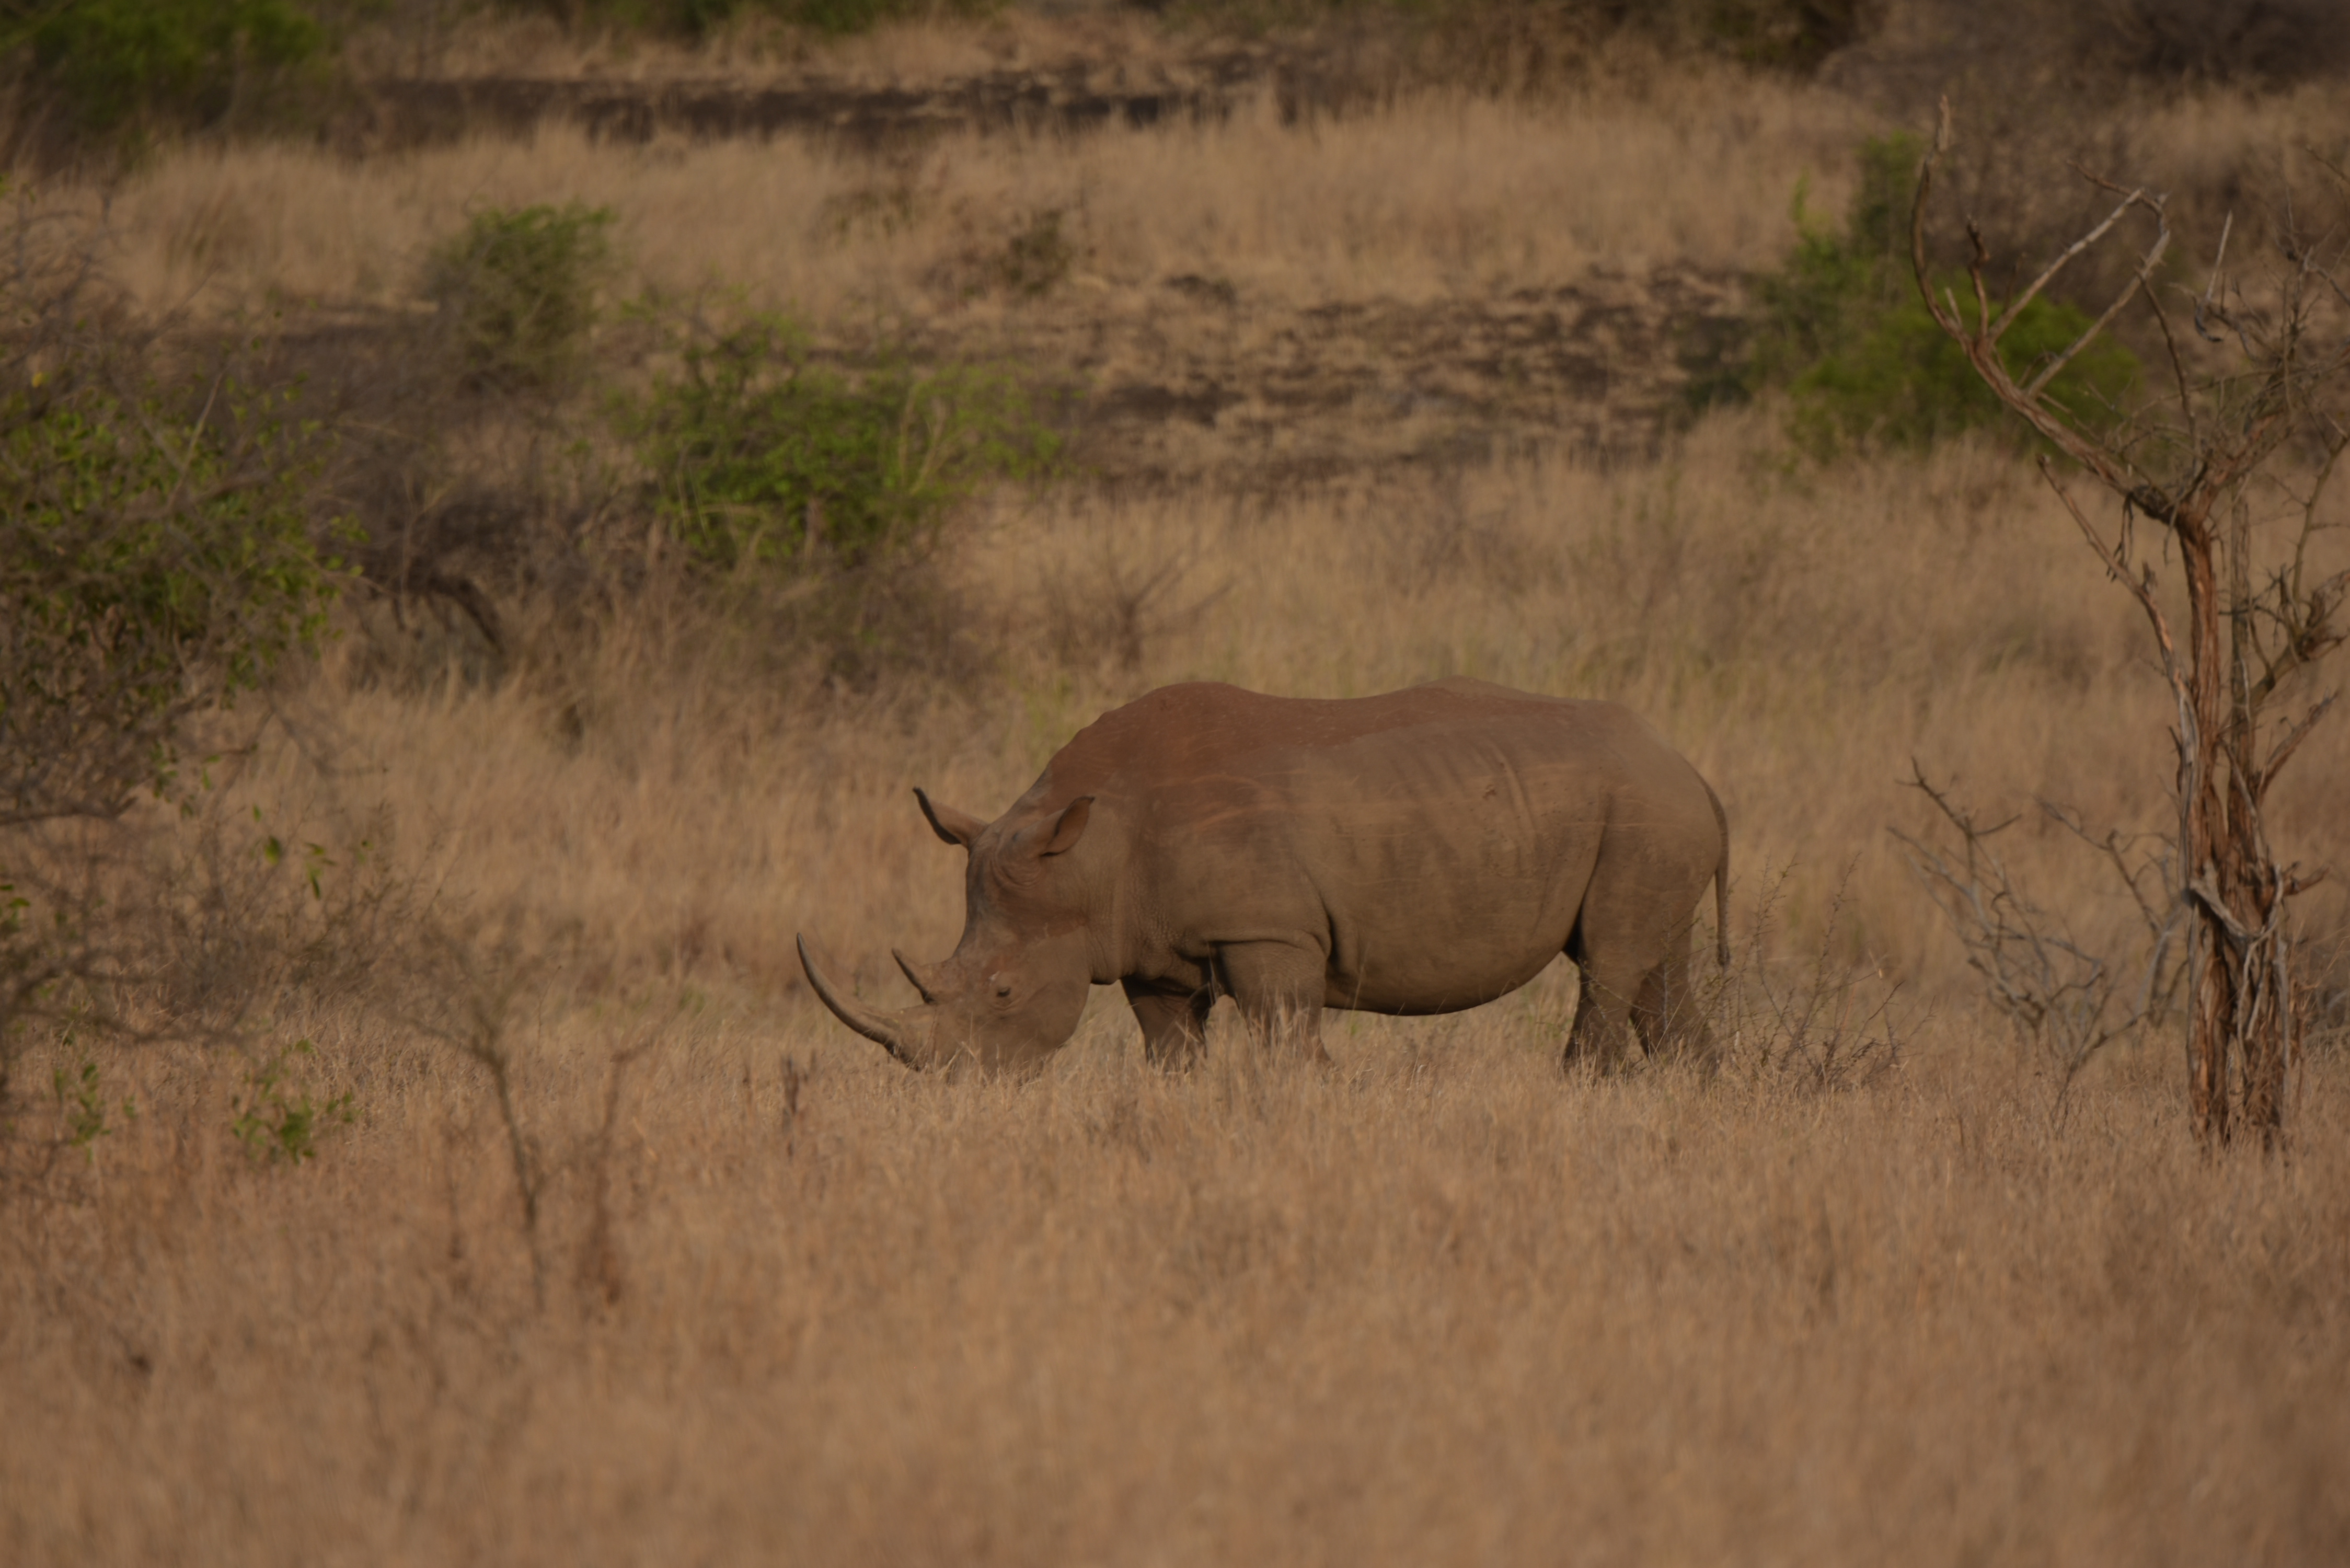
[[1456, 877]]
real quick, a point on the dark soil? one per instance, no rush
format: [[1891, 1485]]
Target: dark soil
[[1207, 381], [397, 113]]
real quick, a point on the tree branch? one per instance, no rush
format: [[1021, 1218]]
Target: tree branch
[[2118, 565]]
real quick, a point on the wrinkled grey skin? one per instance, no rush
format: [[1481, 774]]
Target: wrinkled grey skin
[[1421, 852]]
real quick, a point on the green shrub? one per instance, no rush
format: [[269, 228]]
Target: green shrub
[[1903, 382], [518, 292], [761, 455], [156, 548], [1841, 327], [115, 60], [151, 565]]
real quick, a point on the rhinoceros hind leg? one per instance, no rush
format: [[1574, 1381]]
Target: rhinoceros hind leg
[[1668, 1014], [1602, 1035], [1174, 1028], [1619, 1002], [1624, 951]]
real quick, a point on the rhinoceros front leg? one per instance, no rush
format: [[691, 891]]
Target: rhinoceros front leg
[[1279, 989], [1174, 1027]]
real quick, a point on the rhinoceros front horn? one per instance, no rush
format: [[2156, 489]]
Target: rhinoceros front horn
[[889, 1031]]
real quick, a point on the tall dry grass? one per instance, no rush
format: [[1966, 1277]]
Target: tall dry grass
[[714, 1281], [1801, 636], [1444, 195], [779, 1297], [1434, 1303]]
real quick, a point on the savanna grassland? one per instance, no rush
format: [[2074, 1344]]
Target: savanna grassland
[[596, 1238]]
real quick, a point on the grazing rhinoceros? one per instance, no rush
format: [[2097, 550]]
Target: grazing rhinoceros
[[1419, 852]]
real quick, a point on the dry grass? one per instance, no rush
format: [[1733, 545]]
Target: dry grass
[[1444, 195], [1432, 1301], [1441, 196], [1801, 637], [781, 1299], [1432, 1305]]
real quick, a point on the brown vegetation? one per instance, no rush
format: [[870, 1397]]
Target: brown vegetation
[[630, 1251], [1433, 1295], [1428, 1303]]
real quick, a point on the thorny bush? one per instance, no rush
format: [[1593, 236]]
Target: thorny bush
[[765, 456], [157, 552]]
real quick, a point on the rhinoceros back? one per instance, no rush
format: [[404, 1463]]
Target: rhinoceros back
[[1436, 843]]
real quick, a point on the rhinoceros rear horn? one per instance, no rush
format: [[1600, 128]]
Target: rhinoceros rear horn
[[922, 980], [890, 1030]]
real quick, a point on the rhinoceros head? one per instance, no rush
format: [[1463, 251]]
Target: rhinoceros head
[[1016, 984]]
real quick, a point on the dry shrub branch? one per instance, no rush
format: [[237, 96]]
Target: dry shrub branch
[[2062, 992], [1826, 1021], [2233, 461]]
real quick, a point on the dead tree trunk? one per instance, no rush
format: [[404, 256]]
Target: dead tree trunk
[[2193, 464]]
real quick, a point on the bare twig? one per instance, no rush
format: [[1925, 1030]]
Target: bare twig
[[2060, 994], [2211, 288], [600, 1273]]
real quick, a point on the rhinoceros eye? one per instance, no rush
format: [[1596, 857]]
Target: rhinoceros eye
[[1003, 987]]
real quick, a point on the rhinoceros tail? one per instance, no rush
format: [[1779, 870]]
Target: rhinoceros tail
[[1721, 881]]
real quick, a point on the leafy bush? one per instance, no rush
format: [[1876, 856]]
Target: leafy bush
[[518, 292], [157, 558], [763, 456], [156, 551], [151, 565], [1841, 328], [114, 60]]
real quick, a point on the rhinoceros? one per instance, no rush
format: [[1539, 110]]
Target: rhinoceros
[[1418, 852]]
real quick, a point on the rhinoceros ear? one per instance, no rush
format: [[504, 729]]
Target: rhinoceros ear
[[1068, 827], [948, 823]]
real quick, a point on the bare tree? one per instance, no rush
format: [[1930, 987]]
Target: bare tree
[[2248, 431]]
